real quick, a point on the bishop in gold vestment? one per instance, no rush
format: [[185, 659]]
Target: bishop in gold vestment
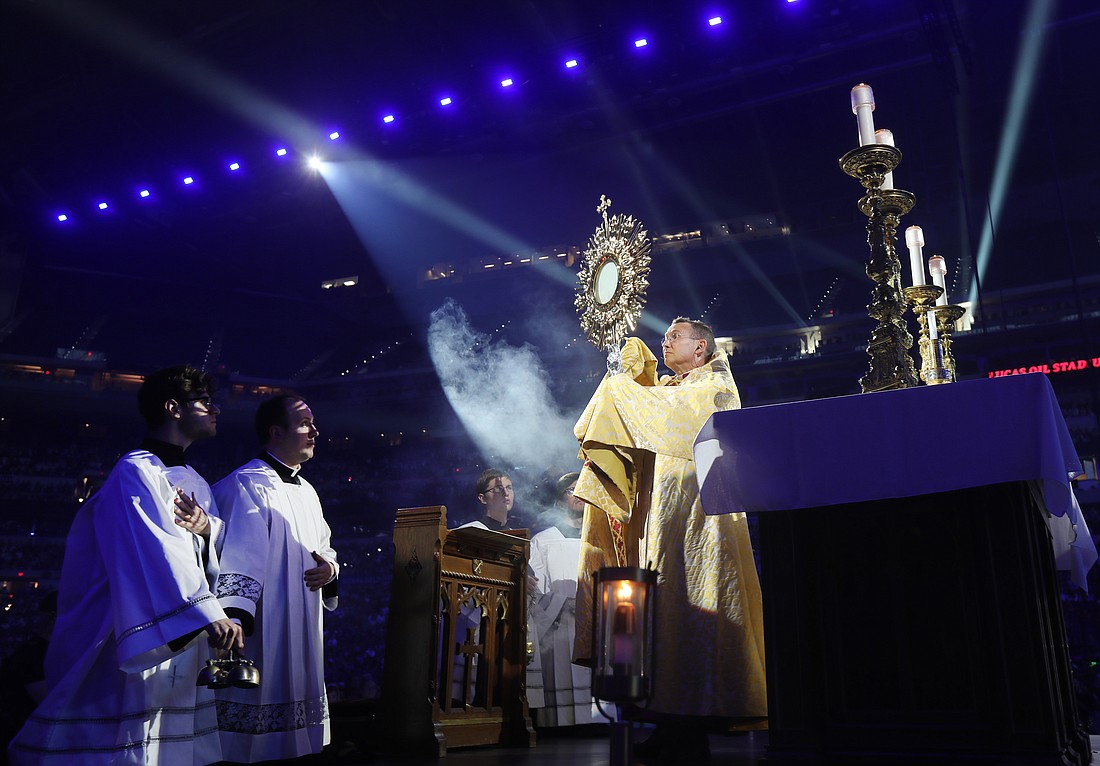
[[639, 481]]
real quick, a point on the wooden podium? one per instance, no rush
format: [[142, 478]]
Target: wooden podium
[[446, 684]]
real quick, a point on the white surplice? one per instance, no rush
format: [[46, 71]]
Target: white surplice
[[271, 528], [131, 582], [567, 688]]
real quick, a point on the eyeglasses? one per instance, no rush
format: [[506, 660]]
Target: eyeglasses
[[205, 401], [672, 337], [506, 488]]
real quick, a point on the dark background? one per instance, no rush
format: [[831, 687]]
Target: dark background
[[744, 121]]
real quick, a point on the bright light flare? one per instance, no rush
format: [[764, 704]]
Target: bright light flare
[[445, 101], [1020, 107], [388, 119], [314, 162], [507, 82], [714, 21], [641, 42]]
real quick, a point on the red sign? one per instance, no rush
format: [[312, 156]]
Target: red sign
[[1048, 369]]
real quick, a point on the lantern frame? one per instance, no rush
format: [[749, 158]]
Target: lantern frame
[[624, 601]]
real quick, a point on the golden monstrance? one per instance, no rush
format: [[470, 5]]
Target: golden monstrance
[[612, 282]]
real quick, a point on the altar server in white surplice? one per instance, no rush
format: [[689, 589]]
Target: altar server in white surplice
[[136, 612], [555, 554], [278, 575]]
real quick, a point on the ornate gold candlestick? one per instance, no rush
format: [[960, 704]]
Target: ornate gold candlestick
[[946, 316], [891, 365], [933, 369]]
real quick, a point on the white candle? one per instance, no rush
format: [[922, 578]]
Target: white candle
[[886, 136], [863, 103], [914, 240], [933, 331], [622, 632], [937, 267]]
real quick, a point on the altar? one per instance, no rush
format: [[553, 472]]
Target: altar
[[908, 547]]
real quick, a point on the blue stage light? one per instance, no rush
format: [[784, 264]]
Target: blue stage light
[[280, 152], [234, 166], [714, 20], [506, 82], [333, 135], [571, 63], [61, 217], [641, 42], [143, 193], [445, 101], [388, 119], [188, 180], [102, 205]]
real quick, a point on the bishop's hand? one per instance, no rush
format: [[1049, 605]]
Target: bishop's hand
[[639, 362]]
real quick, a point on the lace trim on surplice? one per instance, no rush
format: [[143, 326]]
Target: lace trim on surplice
[[239, 585], [264, 719]]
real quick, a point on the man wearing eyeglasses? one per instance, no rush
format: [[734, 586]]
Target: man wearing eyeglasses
[[135, 597], [497, 496], [642, 492], [278, 577]]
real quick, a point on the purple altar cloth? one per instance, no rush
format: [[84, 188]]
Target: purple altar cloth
[[913, 441]]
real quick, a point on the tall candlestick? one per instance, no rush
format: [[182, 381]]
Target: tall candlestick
[[863, 103], [937, 267], [886, 136], [914, 240]]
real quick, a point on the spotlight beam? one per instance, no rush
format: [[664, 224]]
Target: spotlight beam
[[114, 33], [127, 40], [1033, 38], [348, 178], [642, 162]]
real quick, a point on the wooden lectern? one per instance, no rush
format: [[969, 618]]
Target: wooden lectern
[[456, 637]]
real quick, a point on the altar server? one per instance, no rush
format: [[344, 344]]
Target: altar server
[[278, 575], [135, 601], [555, 554]]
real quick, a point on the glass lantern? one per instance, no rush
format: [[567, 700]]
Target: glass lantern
[[624, 602]]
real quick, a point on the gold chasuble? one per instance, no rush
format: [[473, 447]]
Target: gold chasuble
[[639, 482]]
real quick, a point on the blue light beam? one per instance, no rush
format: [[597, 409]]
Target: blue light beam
[[1023, 89]]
